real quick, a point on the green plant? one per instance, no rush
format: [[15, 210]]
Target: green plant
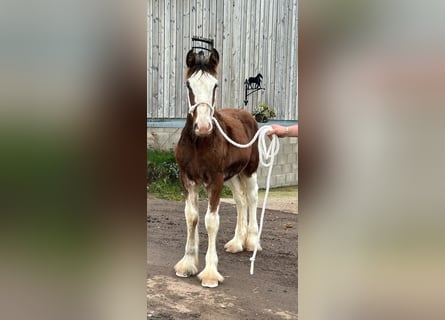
[[263, 113], [161, 166]]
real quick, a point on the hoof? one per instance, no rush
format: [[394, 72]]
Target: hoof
[[210, 279], [250, 246], [184, 268], [210, 284], [234, 246]]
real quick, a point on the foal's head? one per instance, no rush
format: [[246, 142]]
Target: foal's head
[[201, 83]]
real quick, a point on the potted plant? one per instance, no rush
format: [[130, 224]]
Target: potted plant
[[263, 113]]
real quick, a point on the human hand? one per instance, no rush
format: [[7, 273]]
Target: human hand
[[278, 130]]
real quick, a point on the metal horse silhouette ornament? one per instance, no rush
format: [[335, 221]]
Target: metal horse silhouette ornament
[[253, 84]]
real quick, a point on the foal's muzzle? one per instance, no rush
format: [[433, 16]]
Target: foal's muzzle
[[203, 129], [202, 125]]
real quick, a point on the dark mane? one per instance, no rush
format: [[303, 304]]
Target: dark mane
[[204, 67], [199, 62]]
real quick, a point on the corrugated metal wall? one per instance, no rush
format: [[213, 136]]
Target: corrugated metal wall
[[250, 36]]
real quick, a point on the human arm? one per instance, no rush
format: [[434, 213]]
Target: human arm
[[282, 131]]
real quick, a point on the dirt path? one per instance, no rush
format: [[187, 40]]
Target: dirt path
[[271, 293], [279, 199]]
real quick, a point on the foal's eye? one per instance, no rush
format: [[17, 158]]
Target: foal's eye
[[187, 84]]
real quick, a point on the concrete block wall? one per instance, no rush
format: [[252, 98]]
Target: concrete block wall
[[285, 170], [163, 139]]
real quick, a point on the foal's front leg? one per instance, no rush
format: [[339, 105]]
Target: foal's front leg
[[210, 277], [188, 265]]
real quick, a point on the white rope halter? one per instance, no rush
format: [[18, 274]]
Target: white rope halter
[[193, 107]]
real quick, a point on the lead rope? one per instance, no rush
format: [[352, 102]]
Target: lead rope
[[267, 157]]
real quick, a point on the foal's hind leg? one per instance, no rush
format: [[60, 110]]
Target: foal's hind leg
[[237, 243], [251, 189], [188, 265]]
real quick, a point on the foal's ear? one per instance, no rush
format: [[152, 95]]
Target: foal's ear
[[214, 59], [190, 59]]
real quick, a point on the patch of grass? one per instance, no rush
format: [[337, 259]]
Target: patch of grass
[[167, 191], [280, 191], [161, 166], [163, 177]]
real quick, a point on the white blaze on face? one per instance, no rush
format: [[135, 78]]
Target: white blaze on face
[[202, 86]]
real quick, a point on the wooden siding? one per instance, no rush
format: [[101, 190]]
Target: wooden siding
[[251, 37]]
